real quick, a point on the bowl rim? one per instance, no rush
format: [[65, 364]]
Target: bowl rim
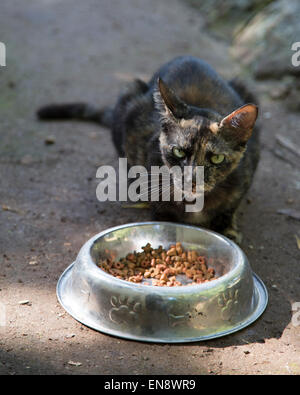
[[85, 255]]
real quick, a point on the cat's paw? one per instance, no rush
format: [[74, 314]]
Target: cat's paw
[[234, 235]]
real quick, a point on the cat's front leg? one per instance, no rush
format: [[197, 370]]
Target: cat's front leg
[[227, 225], [233, 234], [164, 211]]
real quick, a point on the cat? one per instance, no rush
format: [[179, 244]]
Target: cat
[[185, 115]]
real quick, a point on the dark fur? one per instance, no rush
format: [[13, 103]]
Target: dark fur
[[147, 121]]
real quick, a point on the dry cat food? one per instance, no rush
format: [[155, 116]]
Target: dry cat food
[[160, 265]]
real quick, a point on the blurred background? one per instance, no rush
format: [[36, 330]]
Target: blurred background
[[63, 50]]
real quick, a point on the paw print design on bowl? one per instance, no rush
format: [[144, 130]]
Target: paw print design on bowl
[[125, 310], [228, 301]]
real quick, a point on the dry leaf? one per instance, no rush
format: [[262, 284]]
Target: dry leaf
[[298, 241], [25, 302], [8, 208], [74, 363]]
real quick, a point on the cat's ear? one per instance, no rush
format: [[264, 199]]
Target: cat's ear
[[239, 124], [168, 103]]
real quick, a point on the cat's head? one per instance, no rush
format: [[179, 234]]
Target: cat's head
[[191, 136]]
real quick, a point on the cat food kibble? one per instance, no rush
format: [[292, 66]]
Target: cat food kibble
[[159, 265]]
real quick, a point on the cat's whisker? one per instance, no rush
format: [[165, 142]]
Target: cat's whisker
[[155, 174], [155, 190], [149, 182], [163, 178]]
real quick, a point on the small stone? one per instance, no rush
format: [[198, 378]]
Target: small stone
[[27, 160], [70, 335], [279, 93], [50, 140], [23, 302]]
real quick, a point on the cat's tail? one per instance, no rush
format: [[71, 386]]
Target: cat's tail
[[76, 111]]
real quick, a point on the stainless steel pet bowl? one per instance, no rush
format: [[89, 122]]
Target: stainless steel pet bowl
[[162, 314]]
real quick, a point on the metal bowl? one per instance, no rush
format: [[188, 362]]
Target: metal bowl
[[235, 299]]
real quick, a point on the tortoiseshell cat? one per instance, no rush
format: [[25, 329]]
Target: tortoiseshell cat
[[185, 115]]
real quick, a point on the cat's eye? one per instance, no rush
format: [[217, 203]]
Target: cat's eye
[[178, 152], [217, 159]]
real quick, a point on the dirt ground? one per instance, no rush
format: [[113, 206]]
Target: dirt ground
[[65, 51]]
